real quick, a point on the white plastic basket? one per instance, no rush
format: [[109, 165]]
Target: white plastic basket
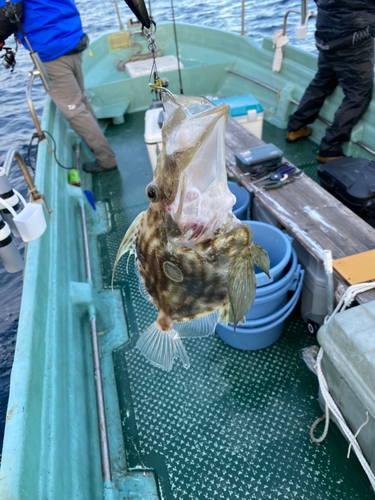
[[30, 222]]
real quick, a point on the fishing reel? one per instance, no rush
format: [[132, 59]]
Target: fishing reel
[[9, 58]]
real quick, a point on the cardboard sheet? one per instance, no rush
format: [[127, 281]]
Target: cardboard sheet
[[357, 268]]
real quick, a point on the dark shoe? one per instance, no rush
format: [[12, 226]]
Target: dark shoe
[[93, 167], [326, 159], [300, 134]]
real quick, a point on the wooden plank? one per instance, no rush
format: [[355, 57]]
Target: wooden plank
[[329, 216], [295, 222], [312, 215]]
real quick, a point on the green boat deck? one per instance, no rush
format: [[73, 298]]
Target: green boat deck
[[236, 424]]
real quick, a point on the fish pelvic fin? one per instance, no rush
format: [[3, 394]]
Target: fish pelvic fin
[[128, 242], [224, 313], [161, 348], [260, 258], [241, 286], [198, 327]]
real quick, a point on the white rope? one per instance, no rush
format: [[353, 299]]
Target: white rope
[[356, 434], [348, 297], [331, 406], [278, 40]]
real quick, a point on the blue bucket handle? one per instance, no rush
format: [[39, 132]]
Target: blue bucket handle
[[294, 282], [284, 311], [291, 239]]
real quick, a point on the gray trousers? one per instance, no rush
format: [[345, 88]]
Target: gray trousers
[[68, 94]]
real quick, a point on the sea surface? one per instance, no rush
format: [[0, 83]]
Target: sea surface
[[16, 126]]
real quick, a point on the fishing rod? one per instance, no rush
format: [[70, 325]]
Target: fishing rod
[[139, 10]]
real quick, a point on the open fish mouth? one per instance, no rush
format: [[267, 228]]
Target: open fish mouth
[[200, 212]]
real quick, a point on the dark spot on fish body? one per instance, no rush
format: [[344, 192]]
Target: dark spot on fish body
[[172, 272], [195, 286]]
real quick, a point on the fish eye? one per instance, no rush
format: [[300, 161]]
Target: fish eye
[[152, 193]]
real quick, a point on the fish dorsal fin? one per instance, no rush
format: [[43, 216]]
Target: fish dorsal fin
[[260, 258], [128, 242], [172, 272], [241, 285]]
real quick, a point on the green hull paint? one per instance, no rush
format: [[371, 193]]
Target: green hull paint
[[51, 447]]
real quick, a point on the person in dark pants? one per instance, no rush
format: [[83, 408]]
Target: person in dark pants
[[345, 41], [54, 30]]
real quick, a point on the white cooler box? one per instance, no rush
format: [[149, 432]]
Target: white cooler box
[[152, 134], [247, 111], [143, 66]]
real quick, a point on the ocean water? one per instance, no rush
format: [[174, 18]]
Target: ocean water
[[16, 126]]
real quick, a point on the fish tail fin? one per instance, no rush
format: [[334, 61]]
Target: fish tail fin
[[241, 286], [161, 348], [128, 243], [198, 327], [260, 258]]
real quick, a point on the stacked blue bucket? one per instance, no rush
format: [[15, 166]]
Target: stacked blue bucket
[[275, 298]]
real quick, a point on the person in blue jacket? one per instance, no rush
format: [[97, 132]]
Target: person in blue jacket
[[54, 30]]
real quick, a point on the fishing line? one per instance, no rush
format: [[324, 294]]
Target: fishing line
[[178, 57]]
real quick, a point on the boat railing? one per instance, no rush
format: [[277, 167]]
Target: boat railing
[[121, 26], [30, 103], [100, 403], [33, 191]]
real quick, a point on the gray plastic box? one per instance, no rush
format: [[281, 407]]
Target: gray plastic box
[[314, 293], [348, 364]]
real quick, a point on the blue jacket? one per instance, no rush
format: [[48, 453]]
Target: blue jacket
[[53, 27]]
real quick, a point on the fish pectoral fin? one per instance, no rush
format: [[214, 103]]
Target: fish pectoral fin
[[260, 258], [198, 327], [241, 286], [128, 242], [161, 348]]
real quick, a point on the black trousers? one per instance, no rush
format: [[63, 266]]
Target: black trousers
[[353, 69]]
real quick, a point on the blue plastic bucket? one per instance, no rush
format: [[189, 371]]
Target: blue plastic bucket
[[243, 200], [278, 246], [271, 298], [261, 333]]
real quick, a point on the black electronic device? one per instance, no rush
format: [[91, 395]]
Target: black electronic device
[[352, 181], [264, 156]]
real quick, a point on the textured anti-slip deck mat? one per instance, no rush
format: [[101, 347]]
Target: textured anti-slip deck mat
[[236, 424]]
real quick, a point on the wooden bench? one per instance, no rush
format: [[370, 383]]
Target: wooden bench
[[307, 211]]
